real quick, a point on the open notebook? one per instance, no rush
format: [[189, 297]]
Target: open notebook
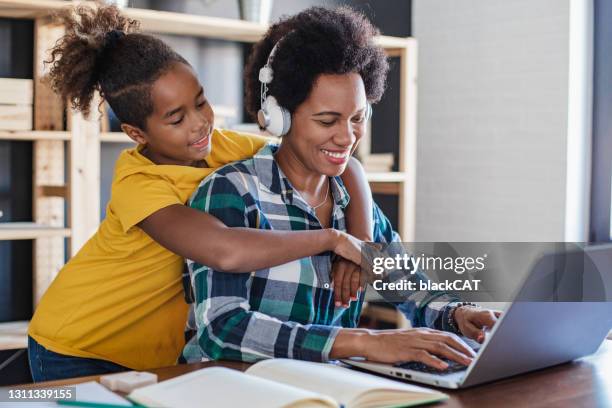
[[283, 383]]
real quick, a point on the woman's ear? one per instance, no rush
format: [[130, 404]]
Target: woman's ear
[[134, 133]]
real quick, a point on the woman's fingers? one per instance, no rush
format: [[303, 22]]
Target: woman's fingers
[[355, 282], [338, 272], [484, 318], [471, 331], [429, 359], [441, 349], [452, 340], [346, 282]]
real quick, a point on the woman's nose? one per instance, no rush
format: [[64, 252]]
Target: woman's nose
[[346, 135]]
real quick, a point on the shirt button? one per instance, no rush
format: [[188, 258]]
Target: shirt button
[[326, 286]]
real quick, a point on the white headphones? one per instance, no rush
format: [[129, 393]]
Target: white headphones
[[271, 116]]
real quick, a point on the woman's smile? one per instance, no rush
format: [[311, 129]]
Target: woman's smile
[[335, 156]]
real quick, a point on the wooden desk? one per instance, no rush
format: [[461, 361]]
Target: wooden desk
[[583, 383]]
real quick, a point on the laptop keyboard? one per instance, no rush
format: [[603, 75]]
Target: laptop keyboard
[[418, 366]]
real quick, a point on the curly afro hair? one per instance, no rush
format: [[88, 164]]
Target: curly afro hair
[[102, 51], [316, 41]]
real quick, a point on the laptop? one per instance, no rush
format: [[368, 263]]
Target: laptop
[[561, 312]]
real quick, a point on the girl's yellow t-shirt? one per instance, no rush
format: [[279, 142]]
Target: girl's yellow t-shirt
[[121, 297]]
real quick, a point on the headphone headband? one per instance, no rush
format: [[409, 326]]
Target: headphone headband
[[271, 116]]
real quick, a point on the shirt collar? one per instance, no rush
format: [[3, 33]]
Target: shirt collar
[[272, 178]]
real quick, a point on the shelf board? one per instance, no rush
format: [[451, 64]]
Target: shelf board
[[164, 22], [25, 135], [115, 137], [14, 335], [385, 177], [29, 230]]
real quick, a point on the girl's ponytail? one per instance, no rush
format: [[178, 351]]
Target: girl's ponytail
[[81, 57], [102, 51]]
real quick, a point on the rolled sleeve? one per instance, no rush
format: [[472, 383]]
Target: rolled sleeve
[[421, 308]]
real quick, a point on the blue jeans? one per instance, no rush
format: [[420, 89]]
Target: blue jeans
[[46, 365]]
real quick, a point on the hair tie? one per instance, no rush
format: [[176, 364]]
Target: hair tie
[[112, 37], [110, 41]]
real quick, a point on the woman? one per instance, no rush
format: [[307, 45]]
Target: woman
[[323, 70]]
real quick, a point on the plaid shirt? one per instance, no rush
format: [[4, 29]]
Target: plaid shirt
[[284, 311]]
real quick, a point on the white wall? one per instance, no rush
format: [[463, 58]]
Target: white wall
[[493, 119]]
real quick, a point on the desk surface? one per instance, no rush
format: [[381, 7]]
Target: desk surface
[[583, 383]]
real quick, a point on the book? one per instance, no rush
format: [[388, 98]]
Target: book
[[283, 383]]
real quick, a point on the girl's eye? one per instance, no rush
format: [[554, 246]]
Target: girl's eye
[[178, 122], [201, 104], [359, 119], [327, 123]]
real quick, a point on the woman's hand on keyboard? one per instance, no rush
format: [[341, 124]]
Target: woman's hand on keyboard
[[472, 321], [418, 344]]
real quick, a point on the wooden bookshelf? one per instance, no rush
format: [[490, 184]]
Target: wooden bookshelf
[[79, 186], [164, 22]]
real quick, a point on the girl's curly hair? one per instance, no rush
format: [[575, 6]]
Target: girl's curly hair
[[316, 41], [103, 51]]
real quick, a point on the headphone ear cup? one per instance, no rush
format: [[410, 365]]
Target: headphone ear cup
[[279, 121], [368, 113], [286, 121]]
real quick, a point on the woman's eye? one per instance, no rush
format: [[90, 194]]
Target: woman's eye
[[327, 123], [201, 104], [358, 119]]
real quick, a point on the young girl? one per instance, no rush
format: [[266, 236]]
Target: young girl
[[119, 302]]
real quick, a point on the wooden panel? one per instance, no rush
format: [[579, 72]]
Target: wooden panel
[[28, 230], [84, 185], [48, 107], [15, 117], [408, 139], [13, 335], [115, 137], [16, 91], [34, 135], [104, 119], [52, 191], [386, 177], [49, 253], [385, 188]]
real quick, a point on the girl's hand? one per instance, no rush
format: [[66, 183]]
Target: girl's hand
[[419, 344], [473, 321], [347, 246], [346, 279]]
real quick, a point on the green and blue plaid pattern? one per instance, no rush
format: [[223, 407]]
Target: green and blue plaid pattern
[[285, 311]]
